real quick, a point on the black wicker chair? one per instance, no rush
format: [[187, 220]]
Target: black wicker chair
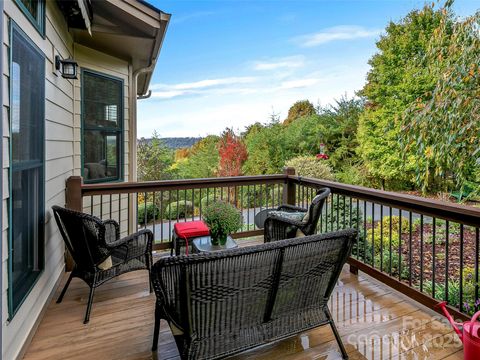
[[92, 241], [222, 303], [277, 227]]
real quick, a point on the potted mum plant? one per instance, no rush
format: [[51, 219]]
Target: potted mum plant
[[222, 219]]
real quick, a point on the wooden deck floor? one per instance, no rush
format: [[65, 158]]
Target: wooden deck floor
[[374, 321]]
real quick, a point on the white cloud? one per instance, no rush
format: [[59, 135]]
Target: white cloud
[[241, 106], [297, 84], [168, 91], [281, 63], [343, 32]]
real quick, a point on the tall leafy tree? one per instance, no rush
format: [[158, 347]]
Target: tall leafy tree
[[202, 160], [299, 109], [154, 159], [338, 131], [400, 73], [443, 126], [232, 152]]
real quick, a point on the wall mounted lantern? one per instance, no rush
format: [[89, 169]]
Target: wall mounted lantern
[[68, 67]]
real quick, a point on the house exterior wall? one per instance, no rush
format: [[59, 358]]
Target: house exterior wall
[[62, 154]]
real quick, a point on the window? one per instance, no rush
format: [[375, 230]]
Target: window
[[26, 237], [34, 10], [102, 104]]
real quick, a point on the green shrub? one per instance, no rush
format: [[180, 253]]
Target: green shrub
[[377, 237], [178, 210], [395, 266], [338, 209], [310, 166], [468, 296], [153, 212]]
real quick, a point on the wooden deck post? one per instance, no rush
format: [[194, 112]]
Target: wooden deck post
[[73, 199], [289, 188]]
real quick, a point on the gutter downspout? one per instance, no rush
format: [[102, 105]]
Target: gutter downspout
[[146, 96], [1, 177], [163, 17]]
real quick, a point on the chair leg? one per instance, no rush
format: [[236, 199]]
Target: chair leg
[[156, 329], [62, 294], [337, 335], [149, 268], [89, 305]]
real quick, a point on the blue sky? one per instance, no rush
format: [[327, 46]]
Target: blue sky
[[232, 63]]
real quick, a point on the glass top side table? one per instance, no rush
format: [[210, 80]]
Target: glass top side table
[[204, 244]]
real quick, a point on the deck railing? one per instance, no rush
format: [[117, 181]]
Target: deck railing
[[427, 249]]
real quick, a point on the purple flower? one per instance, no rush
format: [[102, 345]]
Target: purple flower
[[477, 302], [466, 306]]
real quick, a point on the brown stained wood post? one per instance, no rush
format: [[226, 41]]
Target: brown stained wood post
[[289, 188], [74, 193], [353, 269], [73, 199]]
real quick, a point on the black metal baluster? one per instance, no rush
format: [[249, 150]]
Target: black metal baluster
[[120, 211], [111, 205], [421, 253], [161, 216], [400, 244], [447, 240], [373, 234], [461, 267], [145, 210], [91, 205], [381, 237], [331, 212], [129, 220], [186, 207], [358, 229], [350, 222], [193, 204], [248, 206], [390, 240], [154, 215], [136, 206], [477, 249], [410, 249], [364, 231], [344, 211], [200, 203], [254, 201], [101, 206], [170, 215], [338, 212], [434, 232]]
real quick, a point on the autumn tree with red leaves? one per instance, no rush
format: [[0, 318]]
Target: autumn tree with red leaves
[[233, 153]]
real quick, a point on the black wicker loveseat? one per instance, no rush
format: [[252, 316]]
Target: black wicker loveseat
[[222, 303]]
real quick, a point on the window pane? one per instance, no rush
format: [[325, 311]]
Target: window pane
[[32, 7], [27, 250], [27, 102], [102, 101], [27, 188], [101, 157]]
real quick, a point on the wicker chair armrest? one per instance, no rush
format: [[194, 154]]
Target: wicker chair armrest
[[291, 208], [145, 236], [112, 231]]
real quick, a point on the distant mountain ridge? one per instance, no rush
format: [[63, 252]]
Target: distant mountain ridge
[[178, 142]]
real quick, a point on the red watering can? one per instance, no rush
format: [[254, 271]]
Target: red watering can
[[470, 336]]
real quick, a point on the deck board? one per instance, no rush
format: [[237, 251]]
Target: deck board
[[121, 326]]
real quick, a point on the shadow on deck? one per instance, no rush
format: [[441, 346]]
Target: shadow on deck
[[375, 322]]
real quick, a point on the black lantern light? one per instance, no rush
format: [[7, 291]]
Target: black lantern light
[[68, 67]]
